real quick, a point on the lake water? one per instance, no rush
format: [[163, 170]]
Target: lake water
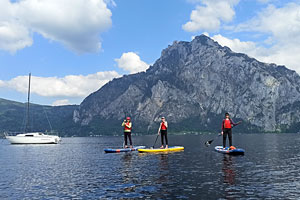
[[78, 168]]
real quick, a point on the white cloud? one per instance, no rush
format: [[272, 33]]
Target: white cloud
[[282, 25], [236, 45], [14, 37], [13, 34], [248, 47], [61, 102], [286, 54], [281, 55], [68, 86], [131, 62], [2, 83], [77, 24], [209, 16]]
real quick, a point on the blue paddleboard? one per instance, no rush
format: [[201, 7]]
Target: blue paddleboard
[[135, 148], [220, 149]]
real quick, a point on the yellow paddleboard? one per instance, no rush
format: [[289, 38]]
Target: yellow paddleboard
[[174, 148]]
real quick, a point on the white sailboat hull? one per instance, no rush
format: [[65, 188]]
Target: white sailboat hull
[[33, 138]]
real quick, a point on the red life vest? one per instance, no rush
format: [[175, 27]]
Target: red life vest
[[126, 126], [163, 126], [227, 123]]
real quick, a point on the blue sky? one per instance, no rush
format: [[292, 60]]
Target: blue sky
[[73, 47]]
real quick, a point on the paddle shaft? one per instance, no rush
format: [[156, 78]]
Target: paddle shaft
[[210, 141], [155, 141]]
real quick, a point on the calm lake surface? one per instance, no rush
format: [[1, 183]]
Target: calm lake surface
[[78, 168]]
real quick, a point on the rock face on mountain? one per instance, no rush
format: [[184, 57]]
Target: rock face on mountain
[[193, 84]]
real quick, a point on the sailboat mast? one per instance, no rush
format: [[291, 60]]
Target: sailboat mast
[[27, 124]]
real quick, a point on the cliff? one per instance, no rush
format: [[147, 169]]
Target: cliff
[[193, 84]]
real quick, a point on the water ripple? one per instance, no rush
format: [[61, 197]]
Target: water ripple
[[79, 169]]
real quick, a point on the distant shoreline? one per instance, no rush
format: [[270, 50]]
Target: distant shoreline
[[176, 133]]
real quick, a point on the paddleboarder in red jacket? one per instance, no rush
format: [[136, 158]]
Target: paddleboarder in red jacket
[[227, 126], [163, 127], [127, 131]]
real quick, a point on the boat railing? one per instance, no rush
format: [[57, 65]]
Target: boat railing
[[52, 132], [10, 133]]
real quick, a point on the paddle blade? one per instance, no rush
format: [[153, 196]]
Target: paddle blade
[[208, 142]]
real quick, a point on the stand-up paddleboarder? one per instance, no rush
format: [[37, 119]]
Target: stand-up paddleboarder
[[127, 131], [227, 126], [162, 130]]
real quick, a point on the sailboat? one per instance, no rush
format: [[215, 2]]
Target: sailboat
[[32, 137]]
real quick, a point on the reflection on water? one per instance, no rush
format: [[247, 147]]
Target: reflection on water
[[79, 169], [228, 170], [163, 164], [127, 168], [164, 173]]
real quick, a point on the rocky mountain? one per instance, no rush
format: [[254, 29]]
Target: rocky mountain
[[193, 84], [42, 118]]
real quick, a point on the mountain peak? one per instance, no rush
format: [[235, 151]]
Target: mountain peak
[[193, 84], [201, 40], [205, 40]]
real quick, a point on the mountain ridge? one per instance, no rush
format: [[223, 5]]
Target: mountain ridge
[[192, 84], [198, 80], [13, 117]]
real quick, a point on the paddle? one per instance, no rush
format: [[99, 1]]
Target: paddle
[[155, 141], [210, 141], [207, 143]]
